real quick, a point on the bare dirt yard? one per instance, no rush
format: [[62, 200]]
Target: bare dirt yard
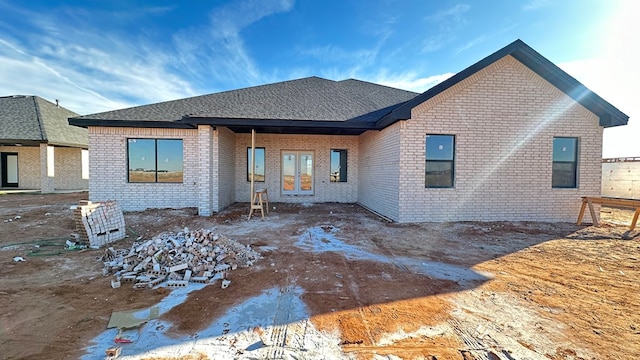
[[334, 281]]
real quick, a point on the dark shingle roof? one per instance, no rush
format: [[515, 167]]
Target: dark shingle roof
[[311, 98], [32, 119]]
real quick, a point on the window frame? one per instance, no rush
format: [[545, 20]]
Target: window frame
[[574, 169], [264, 161], [155, 154], [343, 159], [450, 161]]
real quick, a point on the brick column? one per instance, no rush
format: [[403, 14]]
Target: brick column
[[47, 170], [205, 144]]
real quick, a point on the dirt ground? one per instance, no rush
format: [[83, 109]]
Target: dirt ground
[[467, 290]]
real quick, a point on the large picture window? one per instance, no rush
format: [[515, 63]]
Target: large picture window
[[155, 160], [565, 162], [259, 165], [439, 170], [338, 165]]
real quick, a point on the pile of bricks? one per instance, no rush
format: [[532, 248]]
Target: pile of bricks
[[99, 223], [198, 256]]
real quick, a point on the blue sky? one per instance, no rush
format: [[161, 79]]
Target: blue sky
[[101, 55]]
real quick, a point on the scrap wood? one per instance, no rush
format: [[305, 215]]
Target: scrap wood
[[113, 352], [132, 318]]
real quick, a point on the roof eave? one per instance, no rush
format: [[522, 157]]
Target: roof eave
[[84, 122], [283, 126]]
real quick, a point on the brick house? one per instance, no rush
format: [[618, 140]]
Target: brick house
[[512, 137], [39, 150]]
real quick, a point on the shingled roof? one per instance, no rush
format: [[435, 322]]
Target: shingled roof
[[310, 99], [321, 106], [30, 120]]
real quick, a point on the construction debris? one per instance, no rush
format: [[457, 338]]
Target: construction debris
[[175, 260], [99, 223], [113, 353]]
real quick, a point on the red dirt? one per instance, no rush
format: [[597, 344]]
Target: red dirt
[[558, 290]]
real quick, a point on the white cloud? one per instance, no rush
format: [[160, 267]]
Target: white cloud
[[444, 26], [471, 44], [536, 4], [411, 81], [90, 70], [219, 50], [336, 54]]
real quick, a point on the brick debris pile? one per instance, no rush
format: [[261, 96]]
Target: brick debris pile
[[99, 223], [199, 256]]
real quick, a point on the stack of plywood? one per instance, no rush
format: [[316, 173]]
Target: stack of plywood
[[99, 223]]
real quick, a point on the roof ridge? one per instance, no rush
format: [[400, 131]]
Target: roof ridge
[[377, 84], [43, 133]]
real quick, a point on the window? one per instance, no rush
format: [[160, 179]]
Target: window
[[338, 165], [565, 161], [155, 160], [439, 161], [259, 166]]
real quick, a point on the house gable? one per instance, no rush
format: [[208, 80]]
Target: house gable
[[608, 115]]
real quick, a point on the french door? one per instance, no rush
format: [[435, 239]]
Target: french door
[[297, 173]]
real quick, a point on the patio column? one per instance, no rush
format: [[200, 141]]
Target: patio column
[[205, 170], [253, 166], [47, 168]]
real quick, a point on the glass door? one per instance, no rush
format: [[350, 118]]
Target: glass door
[[297, 173], [9, 169]]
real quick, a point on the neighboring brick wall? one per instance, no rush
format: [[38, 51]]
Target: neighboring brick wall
[[68, 169], [226, 142], [321, 145], [504, 119], [621, 179], [28, 165], [47, 183], [108, 169], [379, 166]]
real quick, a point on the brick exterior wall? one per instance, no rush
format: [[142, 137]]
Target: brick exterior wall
[[28, 165], [379, 166], [108, 169], [226, 169], [504, 119], [68, 169], [321, 145]]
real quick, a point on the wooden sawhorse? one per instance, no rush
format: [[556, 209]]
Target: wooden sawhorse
[[614, 202], [259, 200]]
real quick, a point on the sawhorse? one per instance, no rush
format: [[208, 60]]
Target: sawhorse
[[259, 200]]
